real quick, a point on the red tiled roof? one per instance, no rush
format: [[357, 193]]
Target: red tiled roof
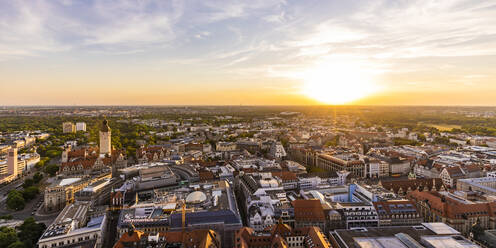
[[130, 237], [413, 184], [453, 209], [206, 175], [196, 238], [285, 175], [308, 210], [455, 171], [472, 168]]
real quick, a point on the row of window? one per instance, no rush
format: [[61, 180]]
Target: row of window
[[73, 241]]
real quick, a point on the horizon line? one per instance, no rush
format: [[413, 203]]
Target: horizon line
[[249, 105]]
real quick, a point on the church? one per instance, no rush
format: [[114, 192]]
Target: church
[[93, 160]]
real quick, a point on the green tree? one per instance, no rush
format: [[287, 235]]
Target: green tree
[[52, 169], [28, 183], [17, 244], [30, 232], [37, 177], [30, 193], [442, 140], [6, 217], [7, 237], [403, 141], [15, 200]]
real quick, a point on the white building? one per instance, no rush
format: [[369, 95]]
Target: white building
[[105, 139], [81, 126], [277, 150], [373, 168], [74, 228], [225, 146], [29, 140]]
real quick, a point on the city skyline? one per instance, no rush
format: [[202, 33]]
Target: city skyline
[[256, 53]]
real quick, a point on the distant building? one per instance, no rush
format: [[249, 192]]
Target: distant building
[[4, 149], [225, 146], [12, 168], [74, 227], [105, 139], [452, 174], [309, 213], [68, 127], [282, 235], [486, 185], [348, 162], [277, 151], [19, 143], [432, 235], [454, 209], [87, 161], [151, 154], [98, 192], [397, 213], [197, 238], [62, 192], [81, 126], [29, 140], [403, 187], [208, 205], [359, 214]]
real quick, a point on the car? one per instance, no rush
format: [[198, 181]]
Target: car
[[32, 213]]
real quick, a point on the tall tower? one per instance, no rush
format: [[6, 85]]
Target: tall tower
[[105, 142], [12, 162]]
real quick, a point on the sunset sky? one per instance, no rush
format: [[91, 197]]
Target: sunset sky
[[247, 52]]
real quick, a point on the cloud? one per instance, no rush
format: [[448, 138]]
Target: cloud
[[222, 10], [270, 37], [203, 35], [30, 28], [392, 37], [23, 32]]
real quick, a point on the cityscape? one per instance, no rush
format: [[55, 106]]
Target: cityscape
[[247, 124]]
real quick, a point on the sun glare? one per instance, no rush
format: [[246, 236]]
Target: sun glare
[[335, 83]]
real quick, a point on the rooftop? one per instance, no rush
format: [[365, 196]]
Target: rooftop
[[433, 234]]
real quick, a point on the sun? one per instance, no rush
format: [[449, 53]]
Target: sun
[[337, 83]]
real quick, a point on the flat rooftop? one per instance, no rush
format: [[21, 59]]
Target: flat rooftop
[[68, 181], [388, 236]]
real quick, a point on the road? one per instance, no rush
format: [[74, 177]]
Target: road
[[31, 206]]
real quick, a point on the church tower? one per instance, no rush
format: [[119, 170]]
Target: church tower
[[105, 142]]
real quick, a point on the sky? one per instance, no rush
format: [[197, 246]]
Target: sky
[[267, 52]]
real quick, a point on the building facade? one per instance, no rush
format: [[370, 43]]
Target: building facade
[[68, 127], [105, 139]]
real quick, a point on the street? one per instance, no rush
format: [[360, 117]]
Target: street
[[31, 206]]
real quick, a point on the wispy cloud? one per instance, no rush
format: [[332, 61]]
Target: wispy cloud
[[266, 38]]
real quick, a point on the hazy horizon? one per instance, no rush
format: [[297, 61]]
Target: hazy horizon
[[256, 53]]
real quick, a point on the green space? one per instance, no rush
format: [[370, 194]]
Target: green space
[[443, 127], [16, 199], [25, 236]]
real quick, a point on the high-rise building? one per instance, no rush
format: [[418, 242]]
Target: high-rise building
[[68, 127], [81, 126], [12, 162], [105, 141]]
